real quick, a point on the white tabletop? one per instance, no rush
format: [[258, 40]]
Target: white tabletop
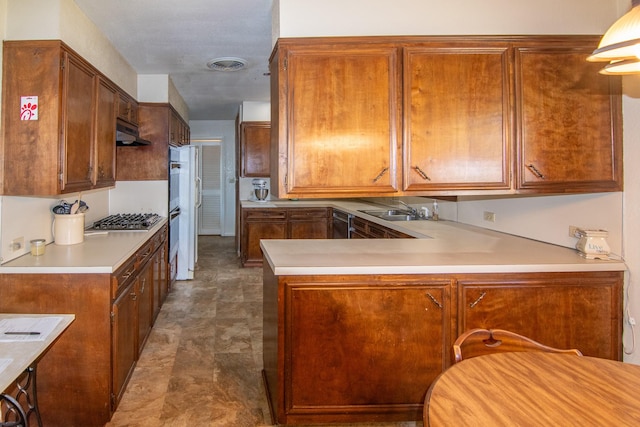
[[19, 352]]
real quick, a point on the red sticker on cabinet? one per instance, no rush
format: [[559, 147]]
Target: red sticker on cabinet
[[28, 108]]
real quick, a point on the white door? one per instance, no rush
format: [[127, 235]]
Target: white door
[[210, 212]]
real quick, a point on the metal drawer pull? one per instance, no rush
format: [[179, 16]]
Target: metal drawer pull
[[435, 301], [380, 174], [422, 174], [473, 304], [128, 274], [535, 171]]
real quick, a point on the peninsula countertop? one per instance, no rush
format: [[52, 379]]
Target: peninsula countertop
[[440, 247], [99, 253]]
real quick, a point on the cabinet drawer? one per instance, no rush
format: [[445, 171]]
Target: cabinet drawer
[[258, 214], [144, 254], [123, 276], [304, 213]]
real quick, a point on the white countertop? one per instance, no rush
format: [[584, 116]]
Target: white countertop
[[19, 355], [99, 253], [440, 247]]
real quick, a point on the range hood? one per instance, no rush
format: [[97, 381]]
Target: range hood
[[128, 136]]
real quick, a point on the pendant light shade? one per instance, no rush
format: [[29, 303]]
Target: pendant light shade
[[620, 45], [626, 66]]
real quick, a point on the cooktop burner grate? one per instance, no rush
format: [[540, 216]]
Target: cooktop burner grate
[[139, 221]]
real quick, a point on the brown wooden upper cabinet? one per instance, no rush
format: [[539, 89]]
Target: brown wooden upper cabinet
[[68, 146], [568, 119], [255, 143], [447, 115], [127, 108], [337, 110], [456, 110], [163, 126]]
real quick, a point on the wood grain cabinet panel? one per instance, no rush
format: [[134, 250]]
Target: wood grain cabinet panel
[[308, 223], [105, 171], [577, 310], [456, 117], [354, 348], [124, 339], [255, 149], [338, 107], [569, 120]]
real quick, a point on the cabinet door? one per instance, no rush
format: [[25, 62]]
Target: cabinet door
[[362, 348], [105, 173], [77, 134], [342, 113], [305, 223], [569, 119], [145, 303], [255, 149], [124, 335], [578, 310], [260, 224], [457, 124]]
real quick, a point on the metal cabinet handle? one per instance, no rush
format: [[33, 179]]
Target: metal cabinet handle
[[473, 304], [435, 301], [535, 171], [380, 175], [421, 173]]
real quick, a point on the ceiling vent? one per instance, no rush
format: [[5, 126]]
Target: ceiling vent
[[228, 63]]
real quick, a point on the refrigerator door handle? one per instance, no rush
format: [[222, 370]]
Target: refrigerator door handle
[[199, 192]]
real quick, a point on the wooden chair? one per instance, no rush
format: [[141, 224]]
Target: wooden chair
[[478, 342]]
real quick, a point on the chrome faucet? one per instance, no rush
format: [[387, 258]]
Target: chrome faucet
[[412, 210]]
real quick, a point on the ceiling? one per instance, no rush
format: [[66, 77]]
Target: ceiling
[[178, 38]]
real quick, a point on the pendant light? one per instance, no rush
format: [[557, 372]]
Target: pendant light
[[620, 45]]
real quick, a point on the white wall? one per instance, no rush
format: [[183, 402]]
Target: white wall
[[307, 18], [159, 88], [542, 218], [225, 130]]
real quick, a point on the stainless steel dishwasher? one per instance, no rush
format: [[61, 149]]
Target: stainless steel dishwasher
[[341, 225]]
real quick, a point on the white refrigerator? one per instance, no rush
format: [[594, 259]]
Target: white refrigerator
[[190, 201]]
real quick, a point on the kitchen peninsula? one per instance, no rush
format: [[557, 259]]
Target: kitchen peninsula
[[356, 330], [114, 283]]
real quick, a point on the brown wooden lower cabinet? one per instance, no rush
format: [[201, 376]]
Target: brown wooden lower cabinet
[[83, 376], [362, 348]]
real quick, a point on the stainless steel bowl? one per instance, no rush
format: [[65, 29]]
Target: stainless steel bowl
[[261, 193]]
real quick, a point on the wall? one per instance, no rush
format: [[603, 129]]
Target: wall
[[201, 130], [542, 218]]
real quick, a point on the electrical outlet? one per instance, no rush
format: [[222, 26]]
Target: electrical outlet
[[489, 216], [17, 244], [573, 231]]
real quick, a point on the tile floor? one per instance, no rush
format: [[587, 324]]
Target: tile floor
[[202, 361]]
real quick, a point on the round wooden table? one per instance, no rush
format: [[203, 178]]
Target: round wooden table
[[534, 388]]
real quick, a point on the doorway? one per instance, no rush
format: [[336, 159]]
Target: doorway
[[210, 214]]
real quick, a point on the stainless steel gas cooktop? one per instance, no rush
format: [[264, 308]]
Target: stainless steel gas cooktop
[[127, 222]]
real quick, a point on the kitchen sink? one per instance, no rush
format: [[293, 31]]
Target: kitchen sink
[[394, 215]]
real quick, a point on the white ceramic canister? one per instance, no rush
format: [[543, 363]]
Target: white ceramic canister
[[68, 229]]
